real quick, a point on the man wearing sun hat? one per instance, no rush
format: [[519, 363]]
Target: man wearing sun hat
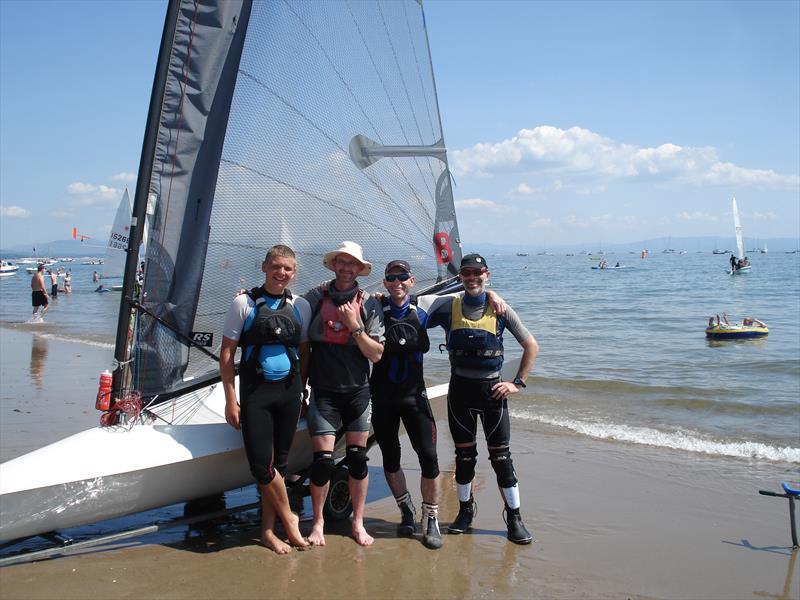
[[346, 333], [475, 346]]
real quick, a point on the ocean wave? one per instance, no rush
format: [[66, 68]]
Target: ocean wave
[[674, 440], [76, 340]]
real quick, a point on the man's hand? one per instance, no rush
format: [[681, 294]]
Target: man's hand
[[498, 304], [503, 390], [349, 315], [232, 414]]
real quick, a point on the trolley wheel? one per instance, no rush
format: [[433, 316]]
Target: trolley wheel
[[338, 505]]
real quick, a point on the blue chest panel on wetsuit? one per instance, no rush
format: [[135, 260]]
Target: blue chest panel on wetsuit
[[271, 335]]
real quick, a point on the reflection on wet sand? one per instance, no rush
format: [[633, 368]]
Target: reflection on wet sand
[[38, 360]]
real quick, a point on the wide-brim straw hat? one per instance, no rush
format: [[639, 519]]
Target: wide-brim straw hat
[[351, 249]]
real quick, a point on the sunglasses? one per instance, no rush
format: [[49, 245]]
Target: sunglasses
[[392, 277], [472, 272]]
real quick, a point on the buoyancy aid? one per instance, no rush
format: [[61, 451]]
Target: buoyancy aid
[[333, 330], [270, 326], [475, 344], [407, 334]]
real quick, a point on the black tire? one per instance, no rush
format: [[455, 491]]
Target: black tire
[[338, 505]]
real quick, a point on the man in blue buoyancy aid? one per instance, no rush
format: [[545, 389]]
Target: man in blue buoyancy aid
[[346, 333], [475, 346], [398, 393], [271, 327]]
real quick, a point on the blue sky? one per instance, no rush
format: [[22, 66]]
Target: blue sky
[[566, 122]]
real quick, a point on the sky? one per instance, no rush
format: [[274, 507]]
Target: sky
[[565, 122]]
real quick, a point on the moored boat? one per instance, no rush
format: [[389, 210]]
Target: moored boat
[[7, 268], [736, 331]]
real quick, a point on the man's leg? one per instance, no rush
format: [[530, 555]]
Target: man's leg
[[358, 482], [321, 471], [463, 426]]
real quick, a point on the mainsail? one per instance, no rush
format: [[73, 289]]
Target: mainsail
[[737, 225], [304, 123], [114, 261]]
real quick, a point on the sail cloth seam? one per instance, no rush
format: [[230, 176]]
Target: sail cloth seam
[[290, 106], [388, 232], [389, 96], [419, 72], [375, 130]]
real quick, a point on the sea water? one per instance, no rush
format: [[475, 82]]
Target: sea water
[[623, 354]]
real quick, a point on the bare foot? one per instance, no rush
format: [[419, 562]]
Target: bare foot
[[361, 536], [271, 541], [316, 537], [293, 532]]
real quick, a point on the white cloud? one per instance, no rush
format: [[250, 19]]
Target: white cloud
[[14, 212], [767, 216], [126, 177], [90, 194], [699, 216], [481, 203], [587, 155], [61, 213], [541, 223], [523, 189]]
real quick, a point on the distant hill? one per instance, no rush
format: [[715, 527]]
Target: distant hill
[[56, 248], [689, 244]]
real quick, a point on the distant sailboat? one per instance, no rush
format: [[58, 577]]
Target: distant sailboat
[[737, 226], [114, 263]]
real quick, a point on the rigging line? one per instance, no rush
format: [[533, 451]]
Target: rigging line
[[342, 80], [419, 72], [385, 89], [361, 108], [346, 211], [319, 129]]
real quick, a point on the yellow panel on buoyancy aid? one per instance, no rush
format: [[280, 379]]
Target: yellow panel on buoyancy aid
[[487, 322]]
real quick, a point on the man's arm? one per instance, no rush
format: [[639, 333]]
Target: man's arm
[[303, 356], [371, 348], [228, 374]]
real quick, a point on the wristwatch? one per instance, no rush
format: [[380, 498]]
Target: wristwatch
[[518, 382], [357, 332]]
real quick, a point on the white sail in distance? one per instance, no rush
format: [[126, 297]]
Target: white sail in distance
[[737, 225], [114, 261]]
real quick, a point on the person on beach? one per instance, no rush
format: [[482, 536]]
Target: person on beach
[[398, 393], [39, 298], [53, 284], [271, 326], [95, 277], [475, 346], [68, 282], [346, 332]]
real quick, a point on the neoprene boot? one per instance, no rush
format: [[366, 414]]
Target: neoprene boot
[[408, 516], [517, 532], [463, 520], [431, 535]]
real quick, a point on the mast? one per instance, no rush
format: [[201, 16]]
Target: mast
[[142, 192]]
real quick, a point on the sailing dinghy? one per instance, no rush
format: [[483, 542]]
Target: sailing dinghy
[[297, 123], [737, 226], [116, 249]]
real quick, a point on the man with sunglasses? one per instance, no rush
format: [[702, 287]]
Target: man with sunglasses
[[475, 346], [398, 393]]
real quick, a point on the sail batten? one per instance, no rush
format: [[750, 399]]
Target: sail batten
[[261, 104]]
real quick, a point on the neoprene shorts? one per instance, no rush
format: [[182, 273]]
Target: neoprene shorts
[[469, 399], [329, 411]]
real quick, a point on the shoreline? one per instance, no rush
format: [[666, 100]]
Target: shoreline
[[610, 519]]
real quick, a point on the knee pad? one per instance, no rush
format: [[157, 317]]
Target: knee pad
[[503, 467], [465, 464], [429, 464], [322, 468], [391, 459], [356, 461]]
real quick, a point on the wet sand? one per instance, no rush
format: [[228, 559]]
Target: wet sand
[[610, 520]]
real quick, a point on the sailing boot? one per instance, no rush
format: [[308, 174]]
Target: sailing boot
[[408, 516], [431, 536], [463, 520], [516, 528]]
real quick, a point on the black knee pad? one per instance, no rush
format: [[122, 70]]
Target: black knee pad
[[322, 468], [391, 459], [503, 467], [356, 461], [429, 464], [465, 464]]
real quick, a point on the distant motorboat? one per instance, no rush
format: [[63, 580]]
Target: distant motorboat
[[7, 268], [522, 254]]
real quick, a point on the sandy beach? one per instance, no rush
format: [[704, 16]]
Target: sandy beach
[[610, 520]]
